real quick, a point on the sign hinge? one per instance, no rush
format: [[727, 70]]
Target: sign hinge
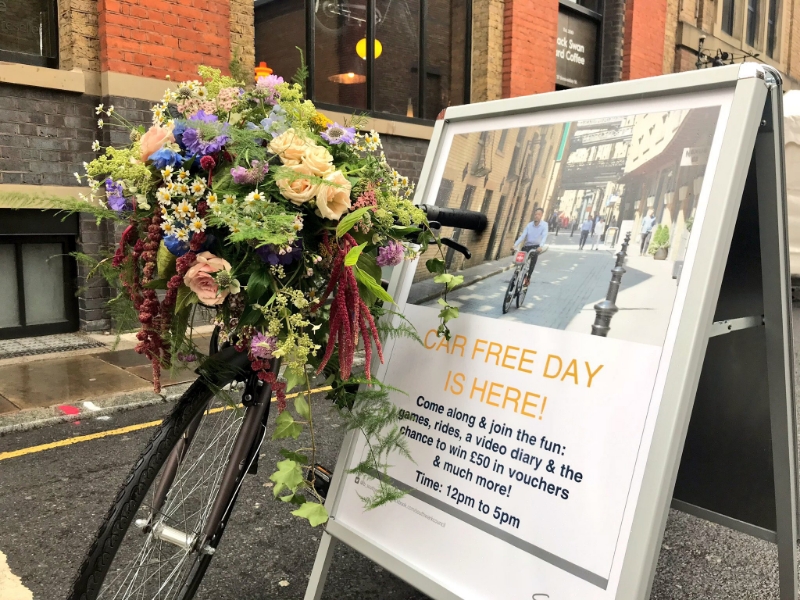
[[731, 325]]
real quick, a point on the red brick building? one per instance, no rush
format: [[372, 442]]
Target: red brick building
[[61, 58]]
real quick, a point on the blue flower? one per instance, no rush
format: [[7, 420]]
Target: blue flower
[[176, 246], [275, 124], [165, 157]]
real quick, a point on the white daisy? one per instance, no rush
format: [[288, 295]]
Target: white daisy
[[167, 227], [99, 109], [183, 189], [77, 176], [197, 225], [229, 199], [100, 123], [183, 209], [212, 200], [110, 110], [182, 234], [183, 174], [167, 172], [163, 196], [198, 187], [96, 146]]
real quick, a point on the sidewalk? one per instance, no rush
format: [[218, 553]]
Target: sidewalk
[[64, 386], [426, 290]]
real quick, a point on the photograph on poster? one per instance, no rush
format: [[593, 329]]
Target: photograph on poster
[[526, 431], [576, 189]]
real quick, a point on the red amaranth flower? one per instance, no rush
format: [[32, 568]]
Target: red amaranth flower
[[208, 163]]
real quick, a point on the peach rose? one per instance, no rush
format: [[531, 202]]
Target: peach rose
[[155, 139], [289, 146], [301, 190], [319, 160], [198, 278], [334, 200]]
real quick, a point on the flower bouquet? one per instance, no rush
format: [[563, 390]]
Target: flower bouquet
[[252, 203]]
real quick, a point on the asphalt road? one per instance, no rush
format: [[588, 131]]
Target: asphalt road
[[52, 501]]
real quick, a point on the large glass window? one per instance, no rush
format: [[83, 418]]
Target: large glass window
[[772, 28], [420, 56], [29, 32], [753, 8], [728, 14]]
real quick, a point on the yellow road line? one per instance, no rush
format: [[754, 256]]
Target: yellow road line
[[110, 432]]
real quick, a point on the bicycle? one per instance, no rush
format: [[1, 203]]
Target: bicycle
[[518, 286], [164, 527]]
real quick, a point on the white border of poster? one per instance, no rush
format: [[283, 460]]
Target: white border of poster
[[740, 93]]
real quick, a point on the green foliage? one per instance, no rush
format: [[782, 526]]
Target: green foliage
[[238, 72], [314, 512], [659, 240], [301, 75], [373, 286], [286, 426], [348, 222], [245, 146], [354, 254], [289, 476], [66, 204], [214, 80]]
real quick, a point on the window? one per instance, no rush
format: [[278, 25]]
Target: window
[[772, 27], [29, 32], [502, 141], [418, 65], [728, 14], [752, 22]]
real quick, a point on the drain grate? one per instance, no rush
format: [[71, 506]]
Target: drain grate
[[46, 344]]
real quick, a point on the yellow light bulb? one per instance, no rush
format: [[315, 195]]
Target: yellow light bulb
[[361, 48]]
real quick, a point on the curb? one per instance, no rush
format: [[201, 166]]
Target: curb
[[35, 418], [466, 283]]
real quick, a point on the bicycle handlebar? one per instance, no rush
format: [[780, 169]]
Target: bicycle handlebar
[[456, 217]]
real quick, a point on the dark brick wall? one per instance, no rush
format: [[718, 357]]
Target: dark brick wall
[[132, 110], [613, 38], [45, 136], [94, 240], [405, 154]]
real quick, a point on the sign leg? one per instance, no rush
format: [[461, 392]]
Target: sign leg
[[316, 583], [777, 322]]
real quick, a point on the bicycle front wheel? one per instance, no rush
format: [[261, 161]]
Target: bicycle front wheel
[[511, 291], [522, 289], [142, 552]]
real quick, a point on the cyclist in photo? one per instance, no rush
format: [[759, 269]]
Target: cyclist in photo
[[533, 237]]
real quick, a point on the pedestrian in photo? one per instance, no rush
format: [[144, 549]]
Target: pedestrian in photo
[[647, 229], [533, 237], [599, 230], [586, 229]]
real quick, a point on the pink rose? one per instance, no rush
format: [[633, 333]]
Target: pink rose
[[155, 139], [198, 278]]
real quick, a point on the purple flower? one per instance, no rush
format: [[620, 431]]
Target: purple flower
[[262, 346], [267, 86], [391, 254], [195, 143], [280, 256], [251, 176], [203, 117], [116, 201], [338, 134]]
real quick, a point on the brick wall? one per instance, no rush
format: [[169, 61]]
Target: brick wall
[[670, 33], [529, 44], [613, 36], [243, 33], [645, 25], [156, 38], [45, 135], [78, 40], [487, 49], [405, 154]]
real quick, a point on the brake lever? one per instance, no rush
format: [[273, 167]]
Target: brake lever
[[457, 247]]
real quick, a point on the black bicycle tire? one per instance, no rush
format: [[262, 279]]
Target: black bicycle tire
[[523, 289], [512, 285], [133, 492]]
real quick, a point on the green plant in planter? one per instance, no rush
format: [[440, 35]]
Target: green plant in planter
[[659, 241]]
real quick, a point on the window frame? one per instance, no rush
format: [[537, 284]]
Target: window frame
[[738, 39], [370, 65], [36, 60]]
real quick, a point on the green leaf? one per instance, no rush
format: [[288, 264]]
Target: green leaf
[[257, 285], [348, 222], [435, 265], [294, 499], [302, 407], [443, 278], [289, 476], [286, 426], [451, 281], [400, 231], [448, 313], [186, 297], [156, 284], [250, 316], [295, 456], [293, 378], [372, 285], [165, 262], [456, 281], [352, 256], [314, 512]]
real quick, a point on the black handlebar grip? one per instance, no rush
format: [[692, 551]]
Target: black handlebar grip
[[456, 217]]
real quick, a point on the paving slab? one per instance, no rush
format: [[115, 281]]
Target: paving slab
[[59, 381], [6, 406]]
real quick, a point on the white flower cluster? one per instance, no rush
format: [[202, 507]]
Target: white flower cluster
[[178, 199], [401, 186], [190, 97], [368, 142]]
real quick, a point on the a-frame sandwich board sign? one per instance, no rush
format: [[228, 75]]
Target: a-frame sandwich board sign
[[545, 457]]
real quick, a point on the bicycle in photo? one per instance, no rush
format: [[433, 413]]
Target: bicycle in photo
[[518, 286], [166, 522]]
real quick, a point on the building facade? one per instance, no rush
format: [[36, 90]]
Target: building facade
[[398, 61]]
